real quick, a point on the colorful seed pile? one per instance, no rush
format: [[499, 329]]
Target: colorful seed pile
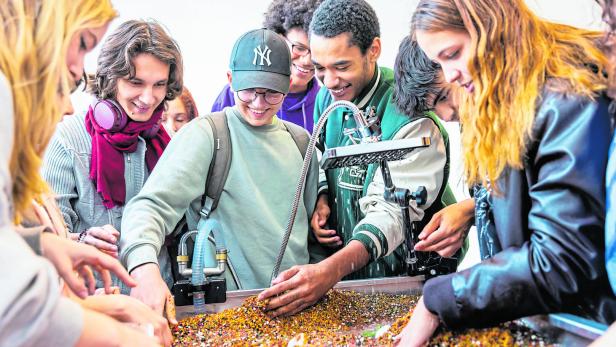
[[338, 319], [341, 318], [506, 334]]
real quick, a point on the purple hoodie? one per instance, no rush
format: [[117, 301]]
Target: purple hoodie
[[296, 108]]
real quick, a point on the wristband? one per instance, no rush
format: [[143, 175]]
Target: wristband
[[82, 236]]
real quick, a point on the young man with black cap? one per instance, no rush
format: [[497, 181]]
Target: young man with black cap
[[254, 206], [352, 217]]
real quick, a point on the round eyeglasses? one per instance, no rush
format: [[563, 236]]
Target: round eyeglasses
[[298, 48], [270, 96]]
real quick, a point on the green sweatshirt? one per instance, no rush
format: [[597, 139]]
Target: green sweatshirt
[[358, 210], [253, 209]]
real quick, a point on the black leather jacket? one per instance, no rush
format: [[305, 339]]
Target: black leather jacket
[[547, 228]]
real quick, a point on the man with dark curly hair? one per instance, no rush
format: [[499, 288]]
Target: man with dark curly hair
[[365, 231], [420, 85], [291, 19]]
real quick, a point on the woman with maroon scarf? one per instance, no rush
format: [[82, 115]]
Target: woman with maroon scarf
[[97, 162]]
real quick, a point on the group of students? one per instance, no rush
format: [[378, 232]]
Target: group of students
[[536, 131]]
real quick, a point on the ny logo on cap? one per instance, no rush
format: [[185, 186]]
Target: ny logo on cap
[[263, 54]]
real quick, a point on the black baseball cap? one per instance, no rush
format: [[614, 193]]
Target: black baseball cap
[[261, 59]]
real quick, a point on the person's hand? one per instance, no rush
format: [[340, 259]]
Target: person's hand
[[446, 231], [101, 291], [43, 215], [420, 329], [129, 337], [297, 288], [102, 330], [152, 290], [104, 238], [129, 310], [607, 339], [326, 237], [72, 260]]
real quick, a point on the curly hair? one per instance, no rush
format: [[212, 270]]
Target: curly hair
[[515, 55], [357, 17], [130, 39], [416, 79], [283, 15]]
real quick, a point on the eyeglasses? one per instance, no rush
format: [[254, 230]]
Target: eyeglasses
[[298, 48], [270, 96]]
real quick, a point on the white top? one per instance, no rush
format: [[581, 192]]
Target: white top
[[32, 310]]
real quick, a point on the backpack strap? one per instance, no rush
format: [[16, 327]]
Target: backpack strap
[[220, 164], [221, 159], [300, 136]]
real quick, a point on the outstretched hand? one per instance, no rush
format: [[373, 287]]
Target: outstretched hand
[[420, 328], [152, 290], [74, 262], [446, 231], [129, 310], [297, 288]]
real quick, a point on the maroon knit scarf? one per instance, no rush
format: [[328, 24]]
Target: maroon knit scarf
[[107, 162]]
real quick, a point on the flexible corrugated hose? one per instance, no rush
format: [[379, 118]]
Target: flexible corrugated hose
[[302, 179]]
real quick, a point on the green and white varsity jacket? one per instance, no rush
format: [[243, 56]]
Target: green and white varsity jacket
[[358, 209]]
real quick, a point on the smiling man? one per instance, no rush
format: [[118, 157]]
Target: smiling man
[[254, 205], [290, 19], [364, 231]]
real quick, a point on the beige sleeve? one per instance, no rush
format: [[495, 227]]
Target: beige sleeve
[[422, 167]]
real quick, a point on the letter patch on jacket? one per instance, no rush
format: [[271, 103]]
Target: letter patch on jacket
[[352, 178]]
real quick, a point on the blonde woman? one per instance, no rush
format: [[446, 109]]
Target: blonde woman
[[536, 132], [42, 46]]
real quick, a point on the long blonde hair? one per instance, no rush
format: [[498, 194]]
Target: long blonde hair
[[516, 55], [34, 40]]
